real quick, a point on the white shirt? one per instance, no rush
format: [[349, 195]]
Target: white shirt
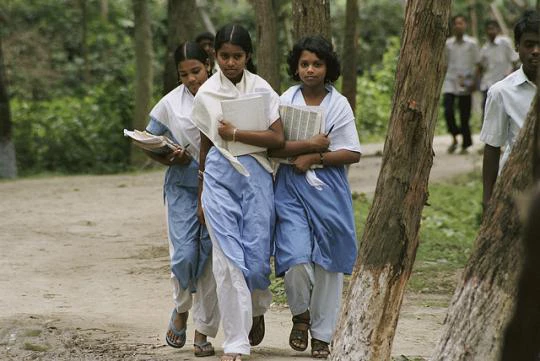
[[496, 59], [462, 58], [174, 112], [507, 105]]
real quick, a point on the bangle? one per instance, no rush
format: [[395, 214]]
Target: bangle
[[322, 158], [200, 175], [234, 134]]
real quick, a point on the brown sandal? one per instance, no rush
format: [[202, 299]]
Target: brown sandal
[[298, 339], [256, 334], [319, 349]]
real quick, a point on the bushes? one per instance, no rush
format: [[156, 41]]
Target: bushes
[[71, 134], [374, 95]]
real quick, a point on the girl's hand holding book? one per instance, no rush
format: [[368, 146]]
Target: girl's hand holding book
[[226, 130], [180, 156], [319, 143]]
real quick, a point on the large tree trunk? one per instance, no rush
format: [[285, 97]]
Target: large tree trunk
[[181, 21], [522, 337], [8, 167], [267, 40], [388, 247], [484, 300], [143, 77], [348, 58], [311, 17]]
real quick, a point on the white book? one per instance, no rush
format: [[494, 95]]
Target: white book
[[158, 144], [245, 113], [300, 123]]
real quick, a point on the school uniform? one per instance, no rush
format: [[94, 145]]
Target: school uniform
[[507, 105], [189, 243], [315, 234], [238, 204]]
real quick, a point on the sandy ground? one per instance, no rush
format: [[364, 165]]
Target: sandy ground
[[84, 270]]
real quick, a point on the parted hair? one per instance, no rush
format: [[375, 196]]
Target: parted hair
[[236, 35], [190, 50], [323, 49]]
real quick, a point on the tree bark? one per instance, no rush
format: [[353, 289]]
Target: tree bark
[[267, 40], [8, 165], [484, 300], [311, 17], [181, 22], [104, 10], [348, 58], [144, 74], [388, 247]]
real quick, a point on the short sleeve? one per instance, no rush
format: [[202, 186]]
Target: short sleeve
[[155, 127], [495, 128], [344, 134]]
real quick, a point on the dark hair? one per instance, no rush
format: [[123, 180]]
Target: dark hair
[[205, 36], [491, 22], [190, 50], [528, 23], [323, 49], [236, 35], [457, 16]]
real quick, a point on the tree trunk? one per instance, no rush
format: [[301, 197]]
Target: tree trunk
[[104, 10], [143, 77], [311, 17], [388, 247], [348, 58], [267, 40], [8, 165], [84, 42], [473, 18], [485, 298], [181, 22]]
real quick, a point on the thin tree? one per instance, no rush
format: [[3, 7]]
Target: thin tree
[[485, 298], [267, 39], [311, 17], [181, 24], [143, 77], [8, 167], [350, 40], [388, 247]]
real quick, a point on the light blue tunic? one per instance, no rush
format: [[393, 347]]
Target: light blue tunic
[[191, 242], [315, 225], [240, 212]]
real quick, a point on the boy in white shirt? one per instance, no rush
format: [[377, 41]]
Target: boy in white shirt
[[509, 101]]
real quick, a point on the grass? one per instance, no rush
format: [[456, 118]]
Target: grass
[[448, 229]]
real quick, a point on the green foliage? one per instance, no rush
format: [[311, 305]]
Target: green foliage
[[73, 134], [375, 90]]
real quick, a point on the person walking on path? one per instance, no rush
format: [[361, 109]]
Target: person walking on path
[[509, 101], [497, 59], [237, 196], [315, 233], [463, 56], [189, 243]]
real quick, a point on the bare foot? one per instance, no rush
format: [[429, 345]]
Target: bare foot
[[231, 357]]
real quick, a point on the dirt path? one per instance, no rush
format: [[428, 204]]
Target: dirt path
[[84, 270]]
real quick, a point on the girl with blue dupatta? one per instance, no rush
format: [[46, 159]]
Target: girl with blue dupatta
[[315, 235], [237, 195], [189, 243]]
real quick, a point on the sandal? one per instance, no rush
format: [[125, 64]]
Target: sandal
[[231, 357], [319, 349], [203, 349], [180, 334], [298, 339], [256, 334]]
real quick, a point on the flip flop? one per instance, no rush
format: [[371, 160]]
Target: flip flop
[[181, 334], [203, 349]]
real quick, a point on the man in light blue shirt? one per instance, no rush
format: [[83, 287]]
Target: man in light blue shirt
[[509, 101]]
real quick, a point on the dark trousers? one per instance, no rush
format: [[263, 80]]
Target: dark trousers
[[464, 105]]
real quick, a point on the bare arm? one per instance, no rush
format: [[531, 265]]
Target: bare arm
[[270, 138], [490, 169], [180, 157], [206, 144], [336, 158], [316, 144]]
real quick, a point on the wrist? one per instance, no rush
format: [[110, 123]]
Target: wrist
[[234, 134], [321, 158]]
